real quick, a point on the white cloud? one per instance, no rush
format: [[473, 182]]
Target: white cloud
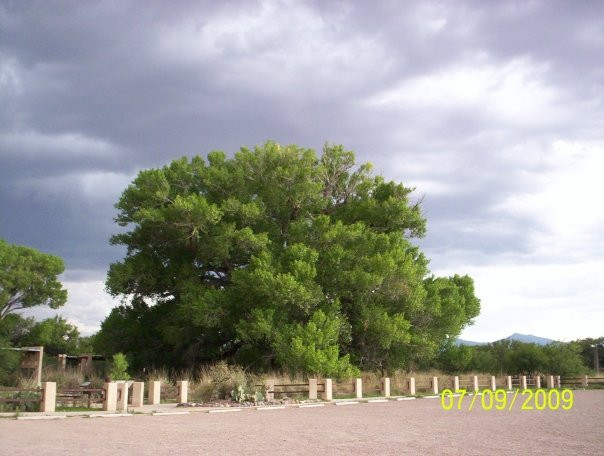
[[87, 305], [566, 203], [514, 92]]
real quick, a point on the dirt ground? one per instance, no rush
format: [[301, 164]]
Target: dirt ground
[[405, 427]]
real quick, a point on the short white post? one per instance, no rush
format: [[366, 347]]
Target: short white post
[[386, 387], [122, 396], [312, 388], [183, 391], [523, 382], [358, 387], [435, 385], [475, 382], [493, 383], [49, 397], [509, 382], [154, 393], [138, 394], [110, 400], [328, 393], [412, 386], [584, 381], [269, 387], [550, 381], [558, 382], [456, 383], [538, 381]]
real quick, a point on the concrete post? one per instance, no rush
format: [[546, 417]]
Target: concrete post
[[412, 386], [358, 388], [110, 400], [328, 394], [538, 381], [455, 383], [49, 397], [475, 382], [62, 361], [183, 391], [386, 387], [154, 394], [269, 386], [509, 382], [550, 381], [584, 381], [312, 388], [493, 383], [558, 382], [138, 394], [122, 396], [523, 382], [434, 385]]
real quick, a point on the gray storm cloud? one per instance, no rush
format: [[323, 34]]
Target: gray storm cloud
[[493, 110]]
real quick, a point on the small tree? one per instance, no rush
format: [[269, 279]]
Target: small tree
[[28, 278], [119, 367]]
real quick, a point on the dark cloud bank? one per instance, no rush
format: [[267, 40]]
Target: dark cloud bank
[[482, 106]]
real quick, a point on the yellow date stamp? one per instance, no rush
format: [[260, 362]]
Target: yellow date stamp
[[526, 399]]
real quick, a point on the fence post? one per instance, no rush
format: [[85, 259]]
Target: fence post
[[435, 385], [49, 397], [328, 394], [493, 383], [312, 388], [183, 391], [584, 381], [269, 386], [138, 394], [550, 381], [386, 387], [475, 382], [558, 382], [412, 386], [110, 399], [358, 387], [456, 383], [523, 382], [122, 396], [62, 358], [538, 381], [509, 382], [154, 394]]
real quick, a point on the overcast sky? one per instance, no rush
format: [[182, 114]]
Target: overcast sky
[[493, 110]]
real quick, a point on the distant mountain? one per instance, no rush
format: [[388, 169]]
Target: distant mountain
[[469, 342], [530, 339], [526, 338]]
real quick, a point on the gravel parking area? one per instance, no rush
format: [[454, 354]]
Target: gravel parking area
[[405, 427]]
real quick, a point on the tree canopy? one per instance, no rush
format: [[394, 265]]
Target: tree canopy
[[29, 278], [277, 257]]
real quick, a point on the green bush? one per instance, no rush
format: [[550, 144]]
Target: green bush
[[119, 367]]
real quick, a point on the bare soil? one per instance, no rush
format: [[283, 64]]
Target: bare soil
[[406, 427]]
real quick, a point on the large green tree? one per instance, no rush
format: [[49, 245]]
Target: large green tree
[[277, 257], [28, 278]]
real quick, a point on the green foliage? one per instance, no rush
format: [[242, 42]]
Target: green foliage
[[507, 357], [28, 278], [277, 258], [119, 367], [55, 334]]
